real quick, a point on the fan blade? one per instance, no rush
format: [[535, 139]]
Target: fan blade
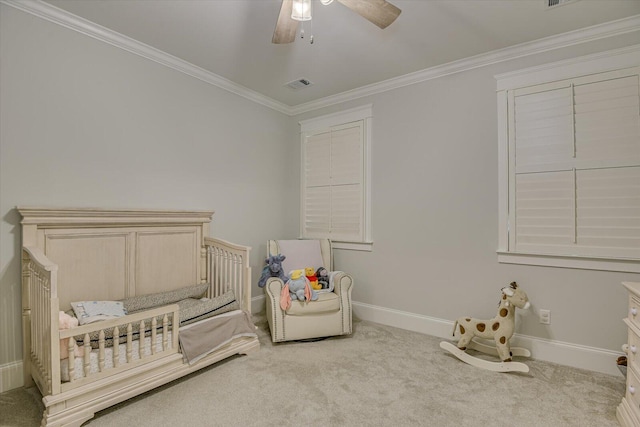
[[379, 12], [286, 28]]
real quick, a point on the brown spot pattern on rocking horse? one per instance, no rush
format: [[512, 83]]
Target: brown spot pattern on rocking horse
[[462, 329], [504, 312], [503, 340], [481, 327], [495, 326]]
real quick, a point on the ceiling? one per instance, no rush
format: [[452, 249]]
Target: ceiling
[[232, 38]]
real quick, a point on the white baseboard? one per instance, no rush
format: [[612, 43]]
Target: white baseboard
[[578, 356], [257, 304], [563, 353], [10, 376]]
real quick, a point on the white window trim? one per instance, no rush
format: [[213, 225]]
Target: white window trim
[[364, 113], [577, 67]]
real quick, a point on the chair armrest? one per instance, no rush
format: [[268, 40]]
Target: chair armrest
[[342, 282], [342, 286], [275, 314], [273, 287]]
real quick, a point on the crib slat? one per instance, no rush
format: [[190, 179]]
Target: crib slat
[[129, 342], [71, 351], [154, 325], [72, 371], [141, 340], [165, 330], [116, 346], [101, 351], [87, 356]]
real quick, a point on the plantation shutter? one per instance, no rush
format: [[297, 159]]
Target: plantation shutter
[[333, 183], [575, 166]]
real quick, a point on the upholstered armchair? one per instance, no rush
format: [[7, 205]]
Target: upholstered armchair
[[329, 315]]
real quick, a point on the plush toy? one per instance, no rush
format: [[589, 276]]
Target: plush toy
[[296, 288], [65, 322], [323, 277], [273, 268], [313, 280]]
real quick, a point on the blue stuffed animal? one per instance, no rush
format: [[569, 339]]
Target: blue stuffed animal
[[296, 288], [273, 268]]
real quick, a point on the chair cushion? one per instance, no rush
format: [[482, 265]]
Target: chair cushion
[[300, 254], [326, 303]]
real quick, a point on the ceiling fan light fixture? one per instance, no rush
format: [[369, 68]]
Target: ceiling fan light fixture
[[301, 10]]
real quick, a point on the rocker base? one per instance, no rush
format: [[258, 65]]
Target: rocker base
[[484, 364], [493, 351]]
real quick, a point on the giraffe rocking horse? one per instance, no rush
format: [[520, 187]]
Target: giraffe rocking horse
[[500, 329]]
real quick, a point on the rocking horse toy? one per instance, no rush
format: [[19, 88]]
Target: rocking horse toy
[[500, 329]]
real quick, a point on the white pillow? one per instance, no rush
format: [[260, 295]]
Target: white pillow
[[300, 254], [93, 311]]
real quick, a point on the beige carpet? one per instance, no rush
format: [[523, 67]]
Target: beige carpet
[[379, 376]]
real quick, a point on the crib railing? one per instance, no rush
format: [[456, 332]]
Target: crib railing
[[41, 308], [148, 323], [228, 268]]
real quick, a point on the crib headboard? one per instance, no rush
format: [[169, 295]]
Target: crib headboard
[[112, 254]]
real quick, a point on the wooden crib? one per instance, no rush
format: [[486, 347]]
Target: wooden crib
[[95, 254]]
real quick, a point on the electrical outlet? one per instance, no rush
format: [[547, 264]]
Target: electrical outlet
[[544, 316]]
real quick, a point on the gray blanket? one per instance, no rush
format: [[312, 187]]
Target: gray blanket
[[201, 338]]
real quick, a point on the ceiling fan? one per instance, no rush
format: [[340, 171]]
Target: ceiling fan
[[379, 12]]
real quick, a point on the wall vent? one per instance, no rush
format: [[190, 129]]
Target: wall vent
[[554, 3], [298, 84]]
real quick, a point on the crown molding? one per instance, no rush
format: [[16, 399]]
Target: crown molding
[[583, 35], [58, 16], [68, 20], [599, 62]]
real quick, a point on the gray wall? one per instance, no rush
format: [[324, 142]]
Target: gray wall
[[85, 124], [435, 214]]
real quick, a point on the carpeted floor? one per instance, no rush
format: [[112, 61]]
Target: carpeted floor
[[379, 376]]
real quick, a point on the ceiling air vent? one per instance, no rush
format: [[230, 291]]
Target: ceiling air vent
[[300, 83], [553, 3]]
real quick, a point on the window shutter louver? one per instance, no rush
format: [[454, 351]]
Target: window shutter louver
[[317, 201], [333, 183], [544, 211], [608, 207], [576, 152]]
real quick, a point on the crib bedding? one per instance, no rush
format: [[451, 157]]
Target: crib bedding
[[197, 340], [193, 308]]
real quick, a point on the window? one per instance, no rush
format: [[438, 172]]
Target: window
[[570, 172], [335, 171]]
